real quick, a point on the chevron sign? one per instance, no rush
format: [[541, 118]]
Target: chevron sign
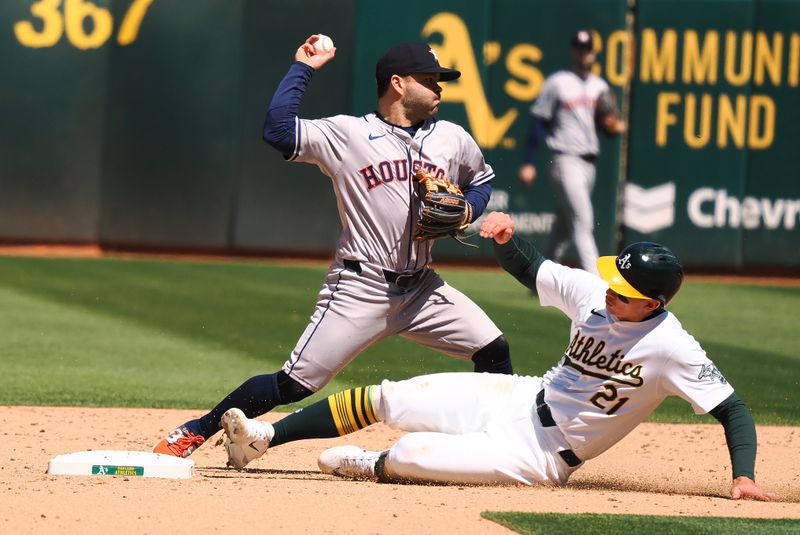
[[648, 210]]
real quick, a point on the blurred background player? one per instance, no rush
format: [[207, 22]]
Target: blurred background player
[[380, 283], [572, 105]]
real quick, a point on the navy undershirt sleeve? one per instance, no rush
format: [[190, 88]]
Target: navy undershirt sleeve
[[280, 125], [536, 132], [478, 197]]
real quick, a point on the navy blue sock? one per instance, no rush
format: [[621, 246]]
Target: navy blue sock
[[495, 357], [256, 396]]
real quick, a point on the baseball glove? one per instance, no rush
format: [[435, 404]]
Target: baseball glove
[[607, 113], [443, 209]]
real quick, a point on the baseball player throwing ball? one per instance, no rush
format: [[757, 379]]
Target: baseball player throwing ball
[[402, 179], [626, 354]]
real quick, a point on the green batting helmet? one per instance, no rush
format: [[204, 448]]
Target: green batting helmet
[[643, 270]]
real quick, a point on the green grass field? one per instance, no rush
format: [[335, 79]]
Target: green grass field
[[157, 333], [592, 524]]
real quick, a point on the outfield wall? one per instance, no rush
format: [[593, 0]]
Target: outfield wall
[[137, 123]]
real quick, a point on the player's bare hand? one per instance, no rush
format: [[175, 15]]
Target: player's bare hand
[[744, 488], [311, 56], [527, 174], [613, 125], [499, 226]]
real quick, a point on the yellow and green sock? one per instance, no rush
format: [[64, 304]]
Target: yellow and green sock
[[339, 414]]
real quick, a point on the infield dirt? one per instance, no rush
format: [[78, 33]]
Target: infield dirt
[[658, 469]]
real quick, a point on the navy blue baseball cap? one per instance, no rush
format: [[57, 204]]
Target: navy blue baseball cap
[[583, 39], [408, 58]]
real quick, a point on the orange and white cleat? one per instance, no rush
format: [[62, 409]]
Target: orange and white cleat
[[180, 443]]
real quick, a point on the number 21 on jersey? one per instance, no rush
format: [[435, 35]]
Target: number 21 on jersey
[[607, 400]]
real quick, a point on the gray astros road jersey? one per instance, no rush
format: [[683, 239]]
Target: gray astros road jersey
[[568, 103], [371, 164]]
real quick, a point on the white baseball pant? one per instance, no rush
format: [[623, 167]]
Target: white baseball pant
[[471, 428]]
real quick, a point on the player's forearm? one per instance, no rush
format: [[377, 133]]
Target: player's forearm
[[521, 259], [478, 197], [536, 132], [280, 124], [740, 434]]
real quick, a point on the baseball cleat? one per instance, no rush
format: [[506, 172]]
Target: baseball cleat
[[245, 439], [180, 443], [350, 462]]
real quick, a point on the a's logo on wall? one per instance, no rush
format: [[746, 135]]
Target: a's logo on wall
[[456, 51], [648, 210]]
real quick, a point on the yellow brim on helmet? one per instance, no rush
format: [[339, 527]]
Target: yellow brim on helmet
[[607, 266]]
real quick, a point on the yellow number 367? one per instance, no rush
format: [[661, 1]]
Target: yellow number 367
[[76, 12]]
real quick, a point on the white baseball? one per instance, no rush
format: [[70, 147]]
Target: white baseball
[[323, 44]]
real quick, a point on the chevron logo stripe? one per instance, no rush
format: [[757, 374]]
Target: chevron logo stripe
[[649, 210]]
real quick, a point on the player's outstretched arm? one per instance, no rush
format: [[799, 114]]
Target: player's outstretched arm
[[537, 131], [311, 56], [498, 226], [744, 488], [740, 436], [519, 257]]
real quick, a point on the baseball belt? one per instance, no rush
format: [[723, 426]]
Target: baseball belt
[[403, 279], [546, 417]]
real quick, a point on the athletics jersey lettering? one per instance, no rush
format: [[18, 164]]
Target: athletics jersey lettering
[[614, 373], [586, 355]]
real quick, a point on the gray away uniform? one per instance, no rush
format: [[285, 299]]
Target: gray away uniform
[[567, 104], [371, 163]]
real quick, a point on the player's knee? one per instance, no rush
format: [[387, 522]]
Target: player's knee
[[407, 449], [290, 390], [403, 459], [494, 357]]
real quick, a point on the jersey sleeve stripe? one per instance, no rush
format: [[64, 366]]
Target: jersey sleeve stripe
[[298, 136], [482, 179]]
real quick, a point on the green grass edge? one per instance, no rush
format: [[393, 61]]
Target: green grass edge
[[601, 524]]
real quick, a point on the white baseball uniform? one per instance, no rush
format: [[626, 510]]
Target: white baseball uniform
[[481, 428], [371, 164], [567, 103]]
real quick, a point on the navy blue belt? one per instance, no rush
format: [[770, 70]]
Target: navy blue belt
[[405, 279], [546, 417]]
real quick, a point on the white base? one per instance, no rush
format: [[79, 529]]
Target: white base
[[120, 463]]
